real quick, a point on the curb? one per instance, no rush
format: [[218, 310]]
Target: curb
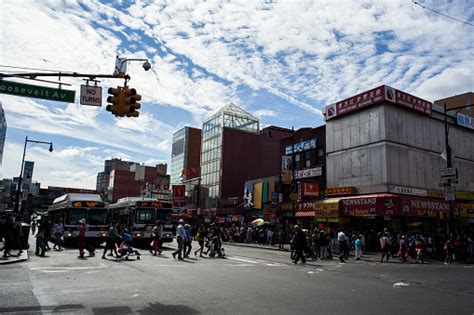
[[17, 260]]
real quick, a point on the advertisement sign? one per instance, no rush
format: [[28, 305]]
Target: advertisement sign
[[248, 196], [378, 95], [301, 146], [324, 208], [372, 205], [407, 191], [310, 172], [309, 190], [286, 163], [423, 207], [286, 177], [257, 195], [178, 195], [467, 210], [28, 171], [339, 191]]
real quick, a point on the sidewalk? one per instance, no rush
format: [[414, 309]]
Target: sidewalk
[[13, 259]]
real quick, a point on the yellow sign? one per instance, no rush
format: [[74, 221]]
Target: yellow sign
[[293, 196]]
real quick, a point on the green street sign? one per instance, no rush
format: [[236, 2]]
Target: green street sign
[[28, 90]]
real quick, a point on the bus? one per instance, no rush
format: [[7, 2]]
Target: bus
[[73, 207], [139, 215]]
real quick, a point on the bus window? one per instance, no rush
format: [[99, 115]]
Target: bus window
[[145, 216], [164, 217], [74, 215], [97, 216]]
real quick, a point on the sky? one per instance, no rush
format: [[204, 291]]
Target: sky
[[282, 61]]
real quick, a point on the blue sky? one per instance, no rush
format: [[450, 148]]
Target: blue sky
[[282, 61]]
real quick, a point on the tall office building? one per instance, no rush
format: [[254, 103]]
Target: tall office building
[[185, 154], [3, 134]]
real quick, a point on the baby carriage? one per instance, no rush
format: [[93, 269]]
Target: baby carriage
[[125, 249]]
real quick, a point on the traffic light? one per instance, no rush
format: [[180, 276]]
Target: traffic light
[[117, 98], [131, 104]]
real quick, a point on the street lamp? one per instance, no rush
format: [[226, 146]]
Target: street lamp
[[20, 179], [448, 156]]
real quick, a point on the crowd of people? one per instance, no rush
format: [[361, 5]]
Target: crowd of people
[[318, 243]]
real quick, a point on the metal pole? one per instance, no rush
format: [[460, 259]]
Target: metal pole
[[448, 164], [18, 191], [293, 171]]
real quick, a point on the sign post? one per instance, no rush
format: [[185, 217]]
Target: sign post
[[91, 95]]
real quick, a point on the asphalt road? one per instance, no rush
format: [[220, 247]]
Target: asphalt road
[[248, 281]]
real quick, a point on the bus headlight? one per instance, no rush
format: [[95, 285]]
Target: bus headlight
[[69, 234], [138, 235]]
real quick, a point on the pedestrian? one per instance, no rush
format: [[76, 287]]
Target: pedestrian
[[299, 245], [281, 239], [323, 244], [419, 244], [17, 234], [385, 246], [342, 239], [315, 243], [81, 238], [58, 234], [270, 237], [358, 248], [156, 243], [112, 238], [180, 236], [200, 237], [187, 242], [40, 246], [403, 251], [33, 227], [46, 233], [8, 235], [449, 251]]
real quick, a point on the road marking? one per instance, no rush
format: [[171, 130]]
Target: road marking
[[243, 260], [401, 284], [275, 265], [135, 295], [239, 265], [65, 268]]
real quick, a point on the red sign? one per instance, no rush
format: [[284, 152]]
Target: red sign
[[371, 205], [178, 195], [423, 207], [378, 95], [309, 190]]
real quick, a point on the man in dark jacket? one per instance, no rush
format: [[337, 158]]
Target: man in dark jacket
[[299, 244]]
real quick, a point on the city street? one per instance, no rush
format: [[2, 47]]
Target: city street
[[247, 281]]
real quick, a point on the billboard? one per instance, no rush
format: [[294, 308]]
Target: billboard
[[28, 172], [178, 195], [375, 96], [301, 146], [309, 190], [248, 196], [257, 195]]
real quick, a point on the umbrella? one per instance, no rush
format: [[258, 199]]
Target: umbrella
[[258, 222]]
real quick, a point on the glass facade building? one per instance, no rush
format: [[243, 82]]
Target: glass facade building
[[178, 153], [230, 116]]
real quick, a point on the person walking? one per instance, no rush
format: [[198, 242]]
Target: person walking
[[156, 243], [8, 235], [403, 250], [112, 238], [299, 244], [357, 248], [17, 234], [385, 246], [58, 234], [200, 237], [40, 247], [81, 238], [187, 242], [33, 227], [270, 237], [449, 250], [419, 244], [180, 236], [342, 239], [323, 244], [46, 233]]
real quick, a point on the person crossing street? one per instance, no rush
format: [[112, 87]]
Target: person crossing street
[[180, 236]]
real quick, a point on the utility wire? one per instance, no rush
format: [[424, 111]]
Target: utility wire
[[440, 13]]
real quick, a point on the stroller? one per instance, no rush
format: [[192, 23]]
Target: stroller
[[125, 249]]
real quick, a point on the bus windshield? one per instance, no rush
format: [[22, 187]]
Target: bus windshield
[[145, 215], [97, 216], [74, 215], [164, 217]]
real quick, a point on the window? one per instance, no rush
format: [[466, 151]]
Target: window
[[321, 152], [97, 217], [308, 163], [145, 216], [74, 215]]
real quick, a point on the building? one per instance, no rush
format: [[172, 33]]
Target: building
[[388, 147], [234, 150], [463, 116], [3, 135], [103, 178], [185, 154], [138, 181]]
